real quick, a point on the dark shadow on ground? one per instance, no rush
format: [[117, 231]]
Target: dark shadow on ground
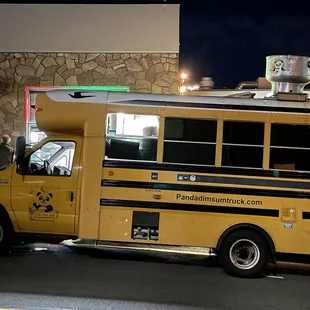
[[302, 266], [183, 280], [105, 274], [127, 255]]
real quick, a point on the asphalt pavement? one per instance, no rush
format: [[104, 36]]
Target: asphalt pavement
[[54, 277]]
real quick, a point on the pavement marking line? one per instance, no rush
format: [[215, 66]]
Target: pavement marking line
[[276, 277]]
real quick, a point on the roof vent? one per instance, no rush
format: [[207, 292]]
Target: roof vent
[[206, 83], [288, 75]]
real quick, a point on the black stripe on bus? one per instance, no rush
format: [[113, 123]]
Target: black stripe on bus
[[205, 106], [205, 188], [189, 207], [246, 181], [306, 215], [202, 169]]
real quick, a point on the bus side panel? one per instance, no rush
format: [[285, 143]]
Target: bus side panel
[[197, 223], [175, 227], [115, 224]]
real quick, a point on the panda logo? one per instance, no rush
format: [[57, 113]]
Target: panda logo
[[43, 202], [278, 66]]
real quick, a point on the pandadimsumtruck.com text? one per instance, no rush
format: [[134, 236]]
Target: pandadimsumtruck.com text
[[231, 201]]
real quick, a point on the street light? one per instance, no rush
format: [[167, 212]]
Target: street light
[[183, 76]]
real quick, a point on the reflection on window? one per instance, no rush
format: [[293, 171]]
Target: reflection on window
[[290, 147], [243, 144], [190, 141], [132, 137], [44, 153], [53, 158], [132, 125], [63, 162]]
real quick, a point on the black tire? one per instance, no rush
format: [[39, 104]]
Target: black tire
[[6, 234], [256, 243]]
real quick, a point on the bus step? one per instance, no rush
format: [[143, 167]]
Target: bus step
[[140, 247]]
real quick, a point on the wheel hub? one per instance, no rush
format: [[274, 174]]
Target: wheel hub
[[244, 254]]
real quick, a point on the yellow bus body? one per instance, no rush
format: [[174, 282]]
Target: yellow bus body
[[194, 206]]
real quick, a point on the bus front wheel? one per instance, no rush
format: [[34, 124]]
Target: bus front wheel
[[244, 254]]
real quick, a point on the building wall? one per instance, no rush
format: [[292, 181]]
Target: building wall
[[85, 45], [151, 28], [155, 73]]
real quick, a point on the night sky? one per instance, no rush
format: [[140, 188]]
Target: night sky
[[229, 40]]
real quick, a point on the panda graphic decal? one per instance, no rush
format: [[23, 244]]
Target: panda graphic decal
[[278, 66], [43, 202], [282, 66]]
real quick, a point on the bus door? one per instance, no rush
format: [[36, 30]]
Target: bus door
[[45, 197]]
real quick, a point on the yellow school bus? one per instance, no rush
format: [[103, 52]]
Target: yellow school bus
[[201, 175]]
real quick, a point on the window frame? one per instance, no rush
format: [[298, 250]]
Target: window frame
[[219, 142], [216, 121], [134, 137], [271, 147], [263, 146], [27, 159]]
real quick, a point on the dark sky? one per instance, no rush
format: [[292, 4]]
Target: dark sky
[[229, 40]]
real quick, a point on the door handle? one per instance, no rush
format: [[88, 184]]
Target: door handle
[[71, 196]]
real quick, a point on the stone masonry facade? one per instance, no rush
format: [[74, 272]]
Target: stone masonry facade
[[151, 73]]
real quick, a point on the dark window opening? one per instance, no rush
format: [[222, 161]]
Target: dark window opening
[[131, 148], [290, 135], [189, 153], [243, 144], [194, 130], [290, 147], [242, 156], [190, 141]]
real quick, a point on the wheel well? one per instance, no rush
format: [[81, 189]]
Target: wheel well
[[252, 227], [4, 214]]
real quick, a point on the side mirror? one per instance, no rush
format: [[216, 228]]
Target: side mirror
[[20, 152]]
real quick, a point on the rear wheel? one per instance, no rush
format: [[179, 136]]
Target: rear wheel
[[244, 254]]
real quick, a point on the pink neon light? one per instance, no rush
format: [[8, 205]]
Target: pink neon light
[[27, 101]]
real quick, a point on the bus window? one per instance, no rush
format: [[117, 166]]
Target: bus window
[[243, 144], [290, 147], [51, 159], [190, 141], [132, 137]]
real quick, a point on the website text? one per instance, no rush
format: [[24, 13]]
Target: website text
[[231, 201]]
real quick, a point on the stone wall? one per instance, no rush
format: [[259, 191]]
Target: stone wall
[[156, 73]]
